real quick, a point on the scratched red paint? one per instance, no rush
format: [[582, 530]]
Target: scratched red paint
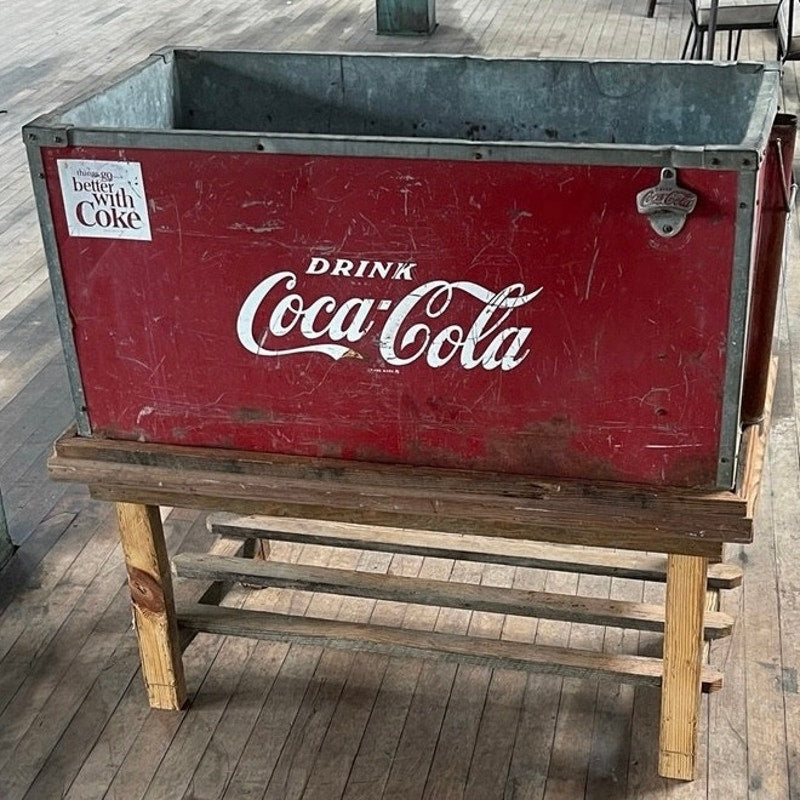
[[608, 363]]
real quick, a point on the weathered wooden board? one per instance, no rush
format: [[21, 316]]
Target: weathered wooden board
[[517, 553], [574, 512], [446, 647], [548, 605]]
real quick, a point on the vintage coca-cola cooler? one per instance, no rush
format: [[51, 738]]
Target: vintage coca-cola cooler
[[526, 266]]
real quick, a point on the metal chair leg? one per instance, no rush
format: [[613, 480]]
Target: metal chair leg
[[697, 53], [689, 35], [738, 43]]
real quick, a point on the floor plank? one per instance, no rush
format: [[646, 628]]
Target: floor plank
[[414, 755], [373, 761], [766, 743]]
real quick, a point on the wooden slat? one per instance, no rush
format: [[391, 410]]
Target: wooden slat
[[364, 513], [644, 502], [426, 644], [214, 593], [589, 610], [712, 607], [517, 553]]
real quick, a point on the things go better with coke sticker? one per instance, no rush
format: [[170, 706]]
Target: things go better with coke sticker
[[104, 199]]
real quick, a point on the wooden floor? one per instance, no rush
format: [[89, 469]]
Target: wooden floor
[[272, 721]]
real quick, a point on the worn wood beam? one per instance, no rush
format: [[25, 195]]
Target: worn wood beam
[[515, 553], [642, 539], [214, 593], [647, 518], [432, 645], [545, 605]]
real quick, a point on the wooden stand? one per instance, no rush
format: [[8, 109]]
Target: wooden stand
[[417, 510]]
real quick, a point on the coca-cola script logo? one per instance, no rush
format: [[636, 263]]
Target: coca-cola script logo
[[676, 198], [277, 319]]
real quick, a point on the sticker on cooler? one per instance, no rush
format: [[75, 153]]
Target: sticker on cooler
[[104, 199]]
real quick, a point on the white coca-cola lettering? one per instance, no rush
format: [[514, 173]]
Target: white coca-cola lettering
[[344, 267], [346, 322], [408, 334], [480, 345]]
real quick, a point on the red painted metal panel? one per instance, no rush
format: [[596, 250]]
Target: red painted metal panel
[[511, 317], [775, 203]]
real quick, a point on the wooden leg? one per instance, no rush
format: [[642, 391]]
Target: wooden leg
[[257, 549], [254, 547], [683, 641], [153, 604]]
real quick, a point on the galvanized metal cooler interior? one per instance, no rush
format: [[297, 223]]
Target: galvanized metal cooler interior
[[516, 265]]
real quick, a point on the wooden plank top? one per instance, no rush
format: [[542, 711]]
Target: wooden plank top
[[571, 511]]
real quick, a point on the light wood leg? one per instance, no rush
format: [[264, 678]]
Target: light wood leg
[[683, 641], [153, 604]]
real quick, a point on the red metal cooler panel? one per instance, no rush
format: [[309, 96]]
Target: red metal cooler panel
[[496, 316]]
